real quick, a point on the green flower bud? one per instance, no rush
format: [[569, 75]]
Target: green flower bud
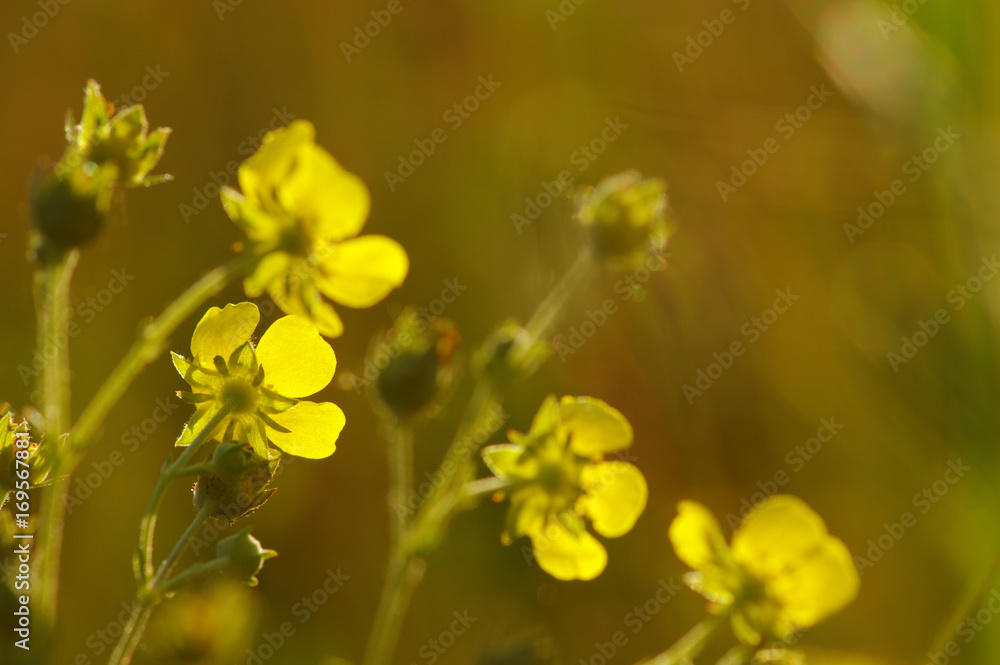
[[69, 210], [415, 361], [16, 444], [237, 483], [245, 556], [624, 215], [507, 355]]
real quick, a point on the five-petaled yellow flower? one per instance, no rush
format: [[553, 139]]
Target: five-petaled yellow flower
[[301, 212], [259, 387], [784, 571], [558, 476]]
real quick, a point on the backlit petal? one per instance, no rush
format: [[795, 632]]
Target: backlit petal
[[297, 362], [314, 428], [565, 555], [362, 271], [593, 426], [330, 200], [615, 497], [221, 331], [696, 537]]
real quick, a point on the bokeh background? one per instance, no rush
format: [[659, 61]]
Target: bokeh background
[[226, 68]]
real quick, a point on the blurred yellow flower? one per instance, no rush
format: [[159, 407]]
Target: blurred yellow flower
[[301, 212], [558, 476], [259, 387], [784, 571]]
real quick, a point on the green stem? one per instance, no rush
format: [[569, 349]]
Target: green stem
[[738, 655], [405, 570], [150, 344], [167, 475], [194, 572], [131, 635], [157, 589], [400, 482], [53, 310], [168, 564], [691, 644], [404, 575], [485, 486]]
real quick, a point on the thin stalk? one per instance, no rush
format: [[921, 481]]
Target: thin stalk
[[691, 644], [171, 471], [168, 564], [52, 306], [400, 450], [404, 570], [131, 635]]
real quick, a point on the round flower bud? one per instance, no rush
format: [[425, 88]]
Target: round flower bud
[[237, 483], [69, 205], [624, 215], [414, 361], [245, 556]]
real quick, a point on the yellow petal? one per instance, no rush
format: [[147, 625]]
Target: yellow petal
[[271, 269], [502, 458], [821, 583], [297, 362], [593, 426], [615, 497], [314, 429], [304, 299], [777, 534], [696, 537], [221, 331], [362, 271], [333, 201], [262, 174], [565, 555]]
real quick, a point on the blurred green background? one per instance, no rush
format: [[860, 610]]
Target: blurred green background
[[225, 69]]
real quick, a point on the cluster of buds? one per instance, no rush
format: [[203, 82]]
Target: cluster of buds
[[109, 148], [16, 446]]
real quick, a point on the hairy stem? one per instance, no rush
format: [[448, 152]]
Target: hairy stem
[[53, 310]]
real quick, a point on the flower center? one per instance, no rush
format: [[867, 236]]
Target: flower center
[[239, 395]]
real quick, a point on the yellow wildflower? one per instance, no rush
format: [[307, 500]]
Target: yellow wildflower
[[258, 388], [784, 571], [301, 212], [558, 476]]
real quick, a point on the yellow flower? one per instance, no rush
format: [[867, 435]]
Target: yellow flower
[[301, 212], [259, 387], [784, 571], [558, 476], [121, 138]]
